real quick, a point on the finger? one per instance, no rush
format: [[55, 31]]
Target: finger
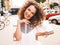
[[28, 21]]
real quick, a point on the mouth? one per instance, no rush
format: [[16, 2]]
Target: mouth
[[28, 17]]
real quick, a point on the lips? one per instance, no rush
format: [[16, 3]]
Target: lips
[[28, 17]]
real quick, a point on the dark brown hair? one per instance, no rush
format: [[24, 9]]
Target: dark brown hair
[[39, 15]]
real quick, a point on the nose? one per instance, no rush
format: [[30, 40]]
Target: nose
[[29, 13]]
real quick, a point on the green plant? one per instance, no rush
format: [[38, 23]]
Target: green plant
[[40, 1], [52, 5]]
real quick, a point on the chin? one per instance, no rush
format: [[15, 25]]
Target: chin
[[27, 18]]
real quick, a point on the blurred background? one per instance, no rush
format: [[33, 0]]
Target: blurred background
[[8, 20]]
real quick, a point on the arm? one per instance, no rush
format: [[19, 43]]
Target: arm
[[17, 34], [43, 34]]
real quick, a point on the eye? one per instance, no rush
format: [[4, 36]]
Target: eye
[[32, 13], [28, 9]]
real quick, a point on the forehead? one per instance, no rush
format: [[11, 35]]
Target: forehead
[[32, 7]]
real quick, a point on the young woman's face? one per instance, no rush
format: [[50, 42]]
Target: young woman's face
[[29, 12]]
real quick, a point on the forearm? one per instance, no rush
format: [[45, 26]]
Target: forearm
[[43, 34], [39, 34], [17, 36], [17, 33]]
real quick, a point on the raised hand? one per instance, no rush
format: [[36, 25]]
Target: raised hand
[[24, 21], [43, 34]]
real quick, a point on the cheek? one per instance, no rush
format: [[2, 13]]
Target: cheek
[[32, 15], [26, 12]]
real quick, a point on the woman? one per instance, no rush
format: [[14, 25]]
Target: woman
[[30, 17]]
